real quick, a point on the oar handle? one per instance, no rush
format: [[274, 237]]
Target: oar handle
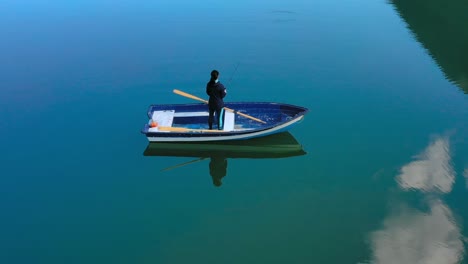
[[183, 129], [179, 92]]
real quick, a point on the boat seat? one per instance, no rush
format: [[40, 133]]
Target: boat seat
[[166, 118], [186, 114], [229, 118], [163, 118]]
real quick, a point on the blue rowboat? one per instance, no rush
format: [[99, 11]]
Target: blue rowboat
[[189, 122]]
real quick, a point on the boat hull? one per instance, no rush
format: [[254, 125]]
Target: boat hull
[[188, 122]]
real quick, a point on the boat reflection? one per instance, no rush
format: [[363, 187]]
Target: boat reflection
[[430, 234], [281, 145]]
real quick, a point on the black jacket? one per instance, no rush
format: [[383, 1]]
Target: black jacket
[[217, 92]]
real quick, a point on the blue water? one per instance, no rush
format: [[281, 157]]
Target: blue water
[[384, 180]]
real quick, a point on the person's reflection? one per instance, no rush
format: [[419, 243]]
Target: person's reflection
[[218, 168]]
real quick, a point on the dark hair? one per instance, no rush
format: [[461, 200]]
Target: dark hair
[[214, 75]]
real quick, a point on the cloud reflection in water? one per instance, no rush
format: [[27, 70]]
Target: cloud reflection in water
[[432, 171], [413, 236]]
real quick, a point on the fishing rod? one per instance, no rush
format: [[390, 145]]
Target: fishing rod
[[232, 75]]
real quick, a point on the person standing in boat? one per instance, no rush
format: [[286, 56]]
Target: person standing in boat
[[217, 92]]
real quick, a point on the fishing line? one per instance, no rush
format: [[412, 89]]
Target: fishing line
[[232, 75]]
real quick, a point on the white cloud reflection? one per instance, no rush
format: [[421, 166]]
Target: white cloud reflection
[[416, 237], [431, 171]]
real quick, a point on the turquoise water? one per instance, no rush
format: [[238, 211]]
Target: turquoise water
[[385, 174]]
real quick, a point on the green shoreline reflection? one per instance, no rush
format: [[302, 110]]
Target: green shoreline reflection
[[441, 27]]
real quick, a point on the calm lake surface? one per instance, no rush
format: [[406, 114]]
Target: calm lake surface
[[384, 177]]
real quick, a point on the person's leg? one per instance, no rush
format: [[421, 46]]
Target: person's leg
[[220, 116], [211, 118]]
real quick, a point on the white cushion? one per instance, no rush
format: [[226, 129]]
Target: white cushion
[[163, 118]]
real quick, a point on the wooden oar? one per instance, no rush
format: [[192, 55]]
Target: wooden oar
[[179, 92], [183, 164], [183, 129]]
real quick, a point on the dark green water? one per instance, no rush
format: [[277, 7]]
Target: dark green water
[[385, 174]]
